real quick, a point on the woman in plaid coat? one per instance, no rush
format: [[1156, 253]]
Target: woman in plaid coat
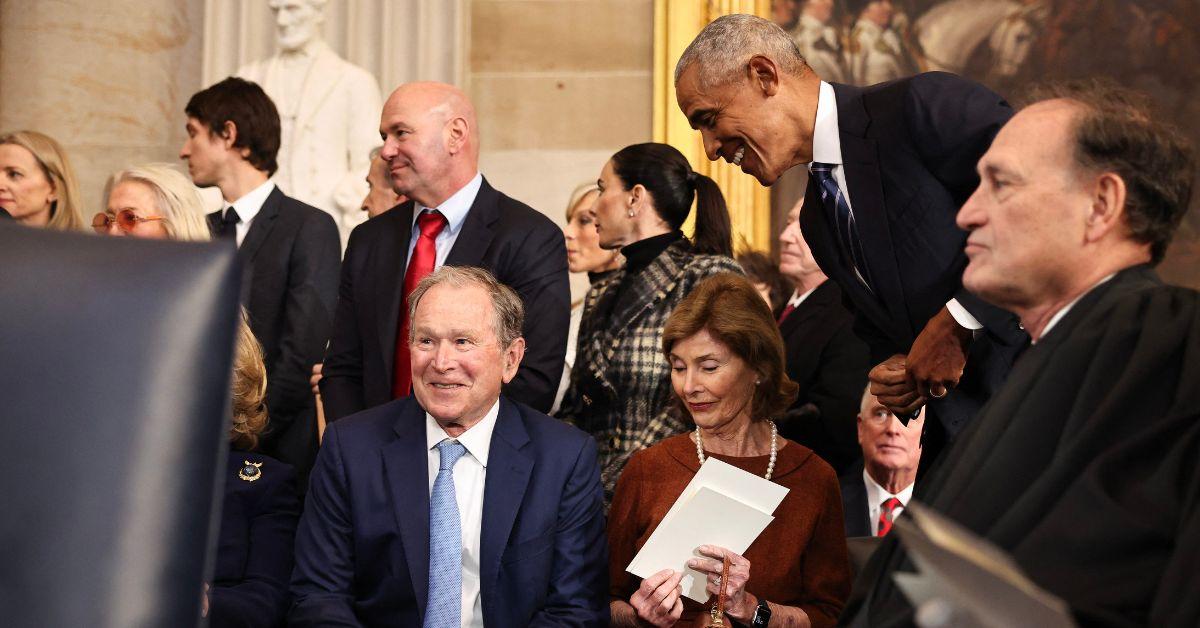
[[620, 389]]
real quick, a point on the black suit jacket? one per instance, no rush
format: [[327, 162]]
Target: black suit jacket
[[909, 150], [520, 246], [254, 549], [290, 258], [854, 502], [830, 364]]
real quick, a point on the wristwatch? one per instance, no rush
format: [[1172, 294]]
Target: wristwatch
[[762, 615]]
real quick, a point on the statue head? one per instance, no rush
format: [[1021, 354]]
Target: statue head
[[297, 22]]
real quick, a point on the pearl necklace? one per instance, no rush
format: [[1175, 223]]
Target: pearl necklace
[[774, 449]]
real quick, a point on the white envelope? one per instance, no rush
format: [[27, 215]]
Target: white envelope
[[722, 506]]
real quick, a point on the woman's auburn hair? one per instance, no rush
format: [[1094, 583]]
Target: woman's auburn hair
[[728, 306]]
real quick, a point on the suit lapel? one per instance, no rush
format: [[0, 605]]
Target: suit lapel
[[861, 168], [508, 475], [389, 266], [214, 222], [261, 226], [476, 235], [406, 467]]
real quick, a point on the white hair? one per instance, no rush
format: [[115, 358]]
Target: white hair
[[725, 46], [176, 198]]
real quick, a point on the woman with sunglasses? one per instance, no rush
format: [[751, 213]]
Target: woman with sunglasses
[[261, 504], [152, 201]]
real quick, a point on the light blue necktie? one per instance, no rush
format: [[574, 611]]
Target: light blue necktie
[[843, 217], [444, 605]]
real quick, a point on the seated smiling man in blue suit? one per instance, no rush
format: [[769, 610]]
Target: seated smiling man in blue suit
[[454, 506]]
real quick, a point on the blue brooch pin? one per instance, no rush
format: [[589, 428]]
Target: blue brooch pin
[[251, 471]]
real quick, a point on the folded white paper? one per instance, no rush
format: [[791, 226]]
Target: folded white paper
[[723, 506]]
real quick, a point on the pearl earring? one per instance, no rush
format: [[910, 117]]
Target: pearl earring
[[631, 213]]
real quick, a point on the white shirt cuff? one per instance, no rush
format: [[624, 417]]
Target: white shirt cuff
[[962, 316]]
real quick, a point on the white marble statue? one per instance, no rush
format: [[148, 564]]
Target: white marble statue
[[329, 112]]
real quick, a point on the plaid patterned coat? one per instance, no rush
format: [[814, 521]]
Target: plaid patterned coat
[[620, 389]]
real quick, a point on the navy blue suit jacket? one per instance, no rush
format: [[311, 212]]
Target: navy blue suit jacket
[[362, 550], [909, 151], [254, 548]]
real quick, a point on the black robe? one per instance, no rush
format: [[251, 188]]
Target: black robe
[[1085, 466]]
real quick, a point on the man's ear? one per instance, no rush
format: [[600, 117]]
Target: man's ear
[[457, 132], [512, 359], [763, 75], [1106, 210], [860, 429], [228, 133]]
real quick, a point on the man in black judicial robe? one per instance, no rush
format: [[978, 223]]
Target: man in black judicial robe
[[1084, 465]]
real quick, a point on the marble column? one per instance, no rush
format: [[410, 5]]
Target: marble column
[[108, 80]]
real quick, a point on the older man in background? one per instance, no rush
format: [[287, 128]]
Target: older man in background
[[452, 217], [1083, 466], [876, 492]]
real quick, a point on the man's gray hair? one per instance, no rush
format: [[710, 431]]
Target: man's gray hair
[[507, 308], [725, 46], [374, 153]]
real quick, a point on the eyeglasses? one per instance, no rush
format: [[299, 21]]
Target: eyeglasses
[[126, 220]]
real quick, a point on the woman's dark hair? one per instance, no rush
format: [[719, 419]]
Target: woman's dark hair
[[672, 184], [729, 307], [762, 269], [249, 108]]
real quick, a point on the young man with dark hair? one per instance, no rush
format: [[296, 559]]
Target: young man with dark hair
[[290, 252]]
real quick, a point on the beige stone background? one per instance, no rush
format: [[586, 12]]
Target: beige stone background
[[560, 84]]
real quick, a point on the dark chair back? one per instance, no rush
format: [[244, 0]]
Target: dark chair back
[[114, 401]]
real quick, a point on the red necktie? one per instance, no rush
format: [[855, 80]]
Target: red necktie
[[887, 513], [424, 257], [784, 314]]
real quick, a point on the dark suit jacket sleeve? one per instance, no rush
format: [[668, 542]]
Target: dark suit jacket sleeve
[[837, 392], [578, 593], [323, 579], [539, 275], [953, 122], [261, 598], [342, 372], [307, 314]]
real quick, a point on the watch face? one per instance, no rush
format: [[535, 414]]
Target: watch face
[[762, 615]]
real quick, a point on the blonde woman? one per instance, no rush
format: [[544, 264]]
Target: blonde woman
[[37, 183], [584, 255], [261, 504]]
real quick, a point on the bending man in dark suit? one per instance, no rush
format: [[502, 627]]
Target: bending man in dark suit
[[1083, 466], [453, 217], [890, 166], [875, 492], [289, 251], [824, 356], [454, 506]]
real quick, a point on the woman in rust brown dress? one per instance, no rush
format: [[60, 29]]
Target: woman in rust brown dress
[[727, 372]]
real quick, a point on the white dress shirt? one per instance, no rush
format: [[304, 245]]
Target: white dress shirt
[[248, 206], [827, 149], [876, 495], [455, 210], [798, 298], [470, 472]]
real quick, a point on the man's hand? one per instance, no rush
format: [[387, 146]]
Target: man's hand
[[315, 380], [890, 382], [938, 355]]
